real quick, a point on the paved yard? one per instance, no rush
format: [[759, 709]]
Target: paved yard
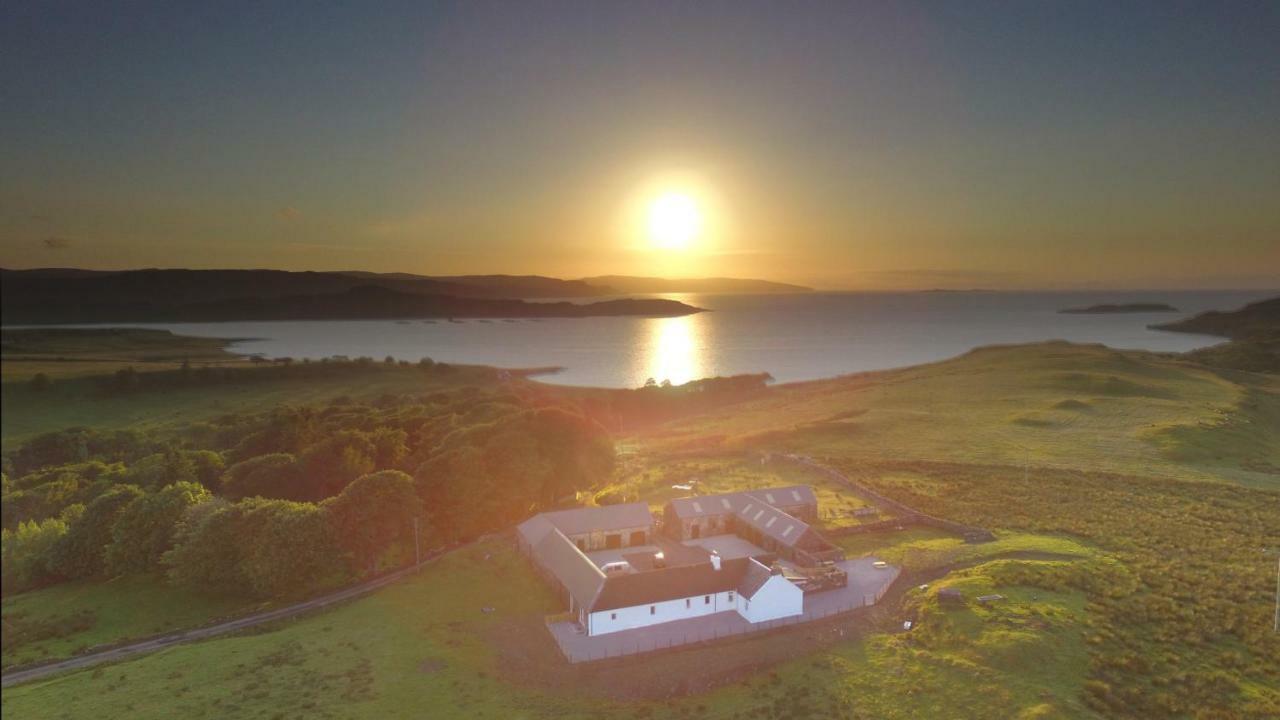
[[729, 546], [866, 584]]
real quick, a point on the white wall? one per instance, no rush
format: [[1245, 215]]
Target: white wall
[[777, 598], [639, 616]]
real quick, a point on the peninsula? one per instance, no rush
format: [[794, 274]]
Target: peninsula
[[1107, 309]]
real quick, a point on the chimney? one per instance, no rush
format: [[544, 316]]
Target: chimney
[[715, 559]]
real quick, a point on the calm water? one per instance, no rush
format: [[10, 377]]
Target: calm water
[[794, 337]]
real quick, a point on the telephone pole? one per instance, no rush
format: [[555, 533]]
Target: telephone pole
[[417, 552]]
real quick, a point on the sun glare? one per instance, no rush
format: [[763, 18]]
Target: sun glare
[[674, 221]]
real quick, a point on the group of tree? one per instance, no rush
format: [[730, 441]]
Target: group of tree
[[285, 502]]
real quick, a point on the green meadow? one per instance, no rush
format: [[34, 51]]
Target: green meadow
[[1130, 494]]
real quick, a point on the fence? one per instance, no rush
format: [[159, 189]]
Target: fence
[[615, 645]]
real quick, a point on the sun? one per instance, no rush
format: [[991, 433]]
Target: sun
[[674, 220]]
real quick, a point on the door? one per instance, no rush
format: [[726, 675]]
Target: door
[[613, 542], [637, 538], [695, 531]]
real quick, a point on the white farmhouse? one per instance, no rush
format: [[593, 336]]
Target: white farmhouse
[[617, 574]]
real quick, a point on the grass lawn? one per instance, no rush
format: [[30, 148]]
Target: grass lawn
[[1057, 405], [58, 621], [1022, 658], [925, 548], [426, 647]]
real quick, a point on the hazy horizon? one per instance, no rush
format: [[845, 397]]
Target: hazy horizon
[[913, 146]]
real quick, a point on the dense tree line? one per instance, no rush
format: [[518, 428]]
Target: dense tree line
[[290, 501]]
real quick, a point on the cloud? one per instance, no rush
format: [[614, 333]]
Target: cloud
[[54, 242], [289, 214]]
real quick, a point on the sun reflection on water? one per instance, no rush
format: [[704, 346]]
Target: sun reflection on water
[[676, 350]]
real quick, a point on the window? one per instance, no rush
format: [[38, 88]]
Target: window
[[706, 600], [688, 603], [653, 609], [730, 596], [747, 603], [613, 616]]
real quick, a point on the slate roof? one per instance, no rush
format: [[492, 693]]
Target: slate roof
[[754, 579], [559, 556], [577, 521], [768, 520], [673, 583], [723, 503]]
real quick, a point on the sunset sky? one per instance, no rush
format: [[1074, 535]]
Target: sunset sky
[[904, 145]]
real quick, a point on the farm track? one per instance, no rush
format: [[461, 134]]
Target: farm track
[[161, 642]]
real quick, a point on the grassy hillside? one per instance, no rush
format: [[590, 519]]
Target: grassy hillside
[[427, 645], [1130, 493], [62, 620], [1047, 405]]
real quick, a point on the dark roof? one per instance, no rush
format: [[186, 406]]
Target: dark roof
[[576, 521], [672, 583], [772, 522], [674, 554], [559, 556], [725, 503], [754, 579]]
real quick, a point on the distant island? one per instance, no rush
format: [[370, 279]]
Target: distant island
[[1107, 309]]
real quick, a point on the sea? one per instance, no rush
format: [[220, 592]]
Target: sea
[[793, 337]]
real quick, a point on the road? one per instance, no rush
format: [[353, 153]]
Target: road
[[163, 641]]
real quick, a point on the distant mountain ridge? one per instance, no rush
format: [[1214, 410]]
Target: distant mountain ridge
[[68, 295], [632, 284]]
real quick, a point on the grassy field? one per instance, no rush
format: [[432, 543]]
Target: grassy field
[[924, 548], [1047, 405], [64, 352], [426, 646], [1129, 492], [25, 412], [59, 621]]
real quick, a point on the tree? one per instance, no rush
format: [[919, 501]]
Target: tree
[[271, 476], [144, 530], [372, 513], [81, 551], [257, 547], [24, 554]]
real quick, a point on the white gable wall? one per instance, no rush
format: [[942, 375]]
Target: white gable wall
[[777, 598], [607, 621]]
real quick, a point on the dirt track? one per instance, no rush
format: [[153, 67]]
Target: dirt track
[[159, 643]]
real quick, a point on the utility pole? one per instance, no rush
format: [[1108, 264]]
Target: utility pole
[[1275, 628], [417, 552]]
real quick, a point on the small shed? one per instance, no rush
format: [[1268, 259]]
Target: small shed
[[950, 595]]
